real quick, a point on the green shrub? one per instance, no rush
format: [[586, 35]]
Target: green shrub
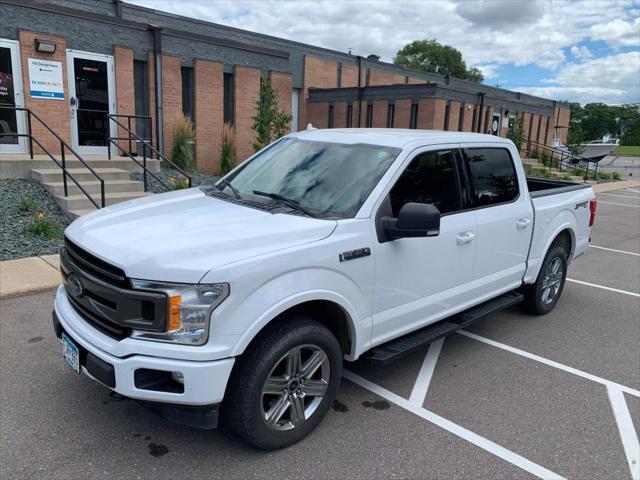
[[183, 135], [178, 183], [26, 205], [516, 132], [270, 121], [616, 176], [228, 150], [44, 227]]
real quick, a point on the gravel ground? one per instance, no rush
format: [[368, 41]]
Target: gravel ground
[[15, 240], [197, 179]]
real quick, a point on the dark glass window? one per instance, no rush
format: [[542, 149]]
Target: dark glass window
[[349, 116], [413, 120], [369, 115], [390, 113], [447, 113], [8, 118], [141, 91], [493, 176], [429, 178], [229, 98], [461, 118], [330, 117], [187, 92]]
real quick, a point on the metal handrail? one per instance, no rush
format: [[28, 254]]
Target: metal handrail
[[565, 159], [63, 145], [146, 143]]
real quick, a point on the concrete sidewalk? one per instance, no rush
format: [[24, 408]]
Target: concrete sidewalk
[[605, 187], [25, 276]]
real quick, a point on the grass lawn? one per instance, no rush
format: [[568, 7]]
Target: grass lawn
[[629, 151]]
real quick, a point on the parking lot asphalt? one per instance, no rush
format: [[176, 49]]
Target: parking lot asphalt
[[515, 396]]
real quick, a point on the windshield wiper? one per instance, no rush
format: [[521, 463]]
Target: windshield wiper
[[227, 183], [292, 203]]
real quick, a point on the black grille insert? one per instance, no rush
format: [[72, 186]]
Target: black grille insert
[[95, 266]]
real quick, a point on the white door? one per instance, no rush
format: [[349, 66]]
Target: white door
[[421, 280], [91, 98], [295, 97], [504, 217], [11, 95]]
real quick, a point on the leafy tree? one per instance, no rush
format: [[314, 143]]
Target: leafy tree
[[270, 122], [516, 132], [575, 140], [431, 56], [599, 119]]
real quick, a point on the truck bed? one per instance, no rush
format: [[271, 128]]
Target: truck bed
[[541, 187]]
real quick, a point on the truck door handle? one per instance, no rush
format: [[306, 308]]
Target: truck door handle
[[523, 223], [464, 237]]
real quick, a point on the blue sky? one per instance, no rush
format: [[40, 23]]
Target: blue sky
[[585, 51]]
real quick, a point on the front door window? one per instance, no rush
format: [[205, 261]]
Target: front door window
[[8, 118], [92, 101]]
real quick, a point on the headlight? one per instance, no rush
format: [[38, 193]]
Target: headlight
[[189, 309]]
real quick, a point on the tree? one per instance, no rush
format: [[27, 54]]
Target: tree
[[270, 122], [575, 139], [431, 56], [516, 132]]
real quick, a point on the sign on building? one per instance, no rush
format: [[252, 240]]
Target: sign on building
[[45, 79]]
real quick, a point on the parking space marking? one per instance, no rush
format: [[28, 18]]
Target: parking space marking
[[595, 285], [551, 363], [619, 196], [454, 428], [619, 204], [628, 433], [614, 250], [420, 388], [632, 190]]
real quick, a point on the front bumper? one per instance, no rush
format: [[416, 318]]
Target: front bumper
[[204, 382]]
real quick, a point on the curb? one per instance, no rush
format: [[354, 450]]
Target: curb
[[26, 276], [605, 187]]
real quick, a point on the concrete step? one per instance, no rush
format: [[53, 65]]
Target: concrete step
[[50, 175], [81, 202], [121, 163], [93, 187]]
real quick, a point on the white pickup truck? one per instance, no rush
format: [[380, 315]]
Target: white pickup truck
[[245, 297]]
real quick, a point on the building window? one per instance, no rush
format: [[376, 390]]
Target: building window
[[349, 116], [390, 114], [461, 117], [141, 93], [369, 115], [474, 119], [228, 93], [413, 119], [367, 77], [330, 117], [339, 74], [187, 92], [539, 128], [447, 113]]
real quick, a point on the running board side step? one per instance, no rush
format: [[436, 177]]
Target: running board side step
[[395, 349]]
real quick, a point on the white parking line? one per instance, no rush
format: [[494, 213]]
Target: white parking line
[[551, 363], [614, 250], [454, 428], [595, 285], [619, 204], [632, 190], [421, 386], [619, 196], [628, 434]]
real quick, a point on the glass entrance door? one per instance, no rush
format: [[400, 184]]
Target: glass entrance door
[[11, 121], [91, 100]]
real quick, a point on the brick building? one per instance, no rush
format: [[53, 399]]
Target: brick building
[[111, 56]]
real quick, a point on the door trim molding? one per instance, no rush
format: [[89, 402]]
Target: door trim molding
[[18, 88]]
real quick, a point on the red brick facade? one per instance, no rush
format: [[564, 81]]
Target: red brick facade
[[380, 110], [349, 77], [208, 82], [318, 73], [171, 98], [125, 95], [377, 76], [55, 113], [283, 85], [247, 92]]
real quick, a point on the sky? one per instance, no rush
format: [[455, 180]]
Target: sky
[[583, 51]]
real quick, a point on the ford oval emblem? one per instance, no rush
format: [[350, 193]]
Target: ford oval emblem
[[75, 285]]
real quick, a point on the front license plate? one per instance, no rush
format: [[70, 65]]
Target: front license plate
[[71, 353]]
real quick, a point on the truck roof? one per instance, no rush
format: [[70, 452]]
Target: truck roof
[[395, 137]]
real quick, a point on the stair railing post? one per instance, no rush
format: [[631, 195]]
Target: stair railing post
[[129, 131], [144, 164], [110, 139], [30, 134], [64, 169], [102, 192]]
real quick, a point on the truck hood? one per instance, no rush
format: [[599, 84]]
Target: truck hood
[[180, 236]]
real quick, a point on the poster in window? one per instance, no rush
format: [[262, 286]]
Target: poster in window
[[45, 79]]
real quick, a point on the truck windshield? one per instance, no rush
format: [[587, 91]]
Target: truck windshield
[[329, 180]]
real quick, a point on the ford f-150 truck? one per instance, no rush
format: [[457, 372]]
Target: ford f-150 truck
[[244, 298]]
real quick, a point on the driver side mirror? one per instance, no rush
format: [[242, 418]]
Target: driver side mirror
[[414, 220]]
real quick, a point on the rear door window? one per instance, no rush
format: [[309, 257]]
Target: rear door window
[[492, 176]]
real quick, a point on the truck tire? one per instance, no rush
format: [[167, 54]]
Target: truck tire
[[284, 383], [542, 296]]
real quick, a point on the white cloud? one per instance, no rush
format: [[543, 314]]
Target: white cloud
[[581, 52], [489, 70], [618, 32], [612, 79]]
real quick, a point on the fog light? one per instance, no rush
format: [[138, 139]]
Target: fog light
[[178, 377]]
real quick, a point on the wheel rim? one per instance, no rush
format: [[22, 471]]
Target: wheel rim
[[295, 387], [551, 281]]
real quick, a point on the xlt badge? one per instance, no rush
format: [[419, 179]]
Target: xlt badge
[[353, 254]]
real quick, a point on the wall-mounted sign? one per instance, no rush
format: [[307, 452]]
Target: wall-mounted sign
[[495, 124], [45, 79]]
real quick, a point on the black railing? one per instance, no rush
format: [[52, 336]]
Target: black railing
[[561, 159], [146, 143], [63, 145]]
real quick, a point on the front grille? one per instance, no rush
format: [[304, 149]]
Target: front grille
[[104, 298], [95, 266]]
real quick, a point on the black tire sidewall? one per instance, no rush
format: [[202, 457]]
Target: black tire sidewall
[[257, 363]]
